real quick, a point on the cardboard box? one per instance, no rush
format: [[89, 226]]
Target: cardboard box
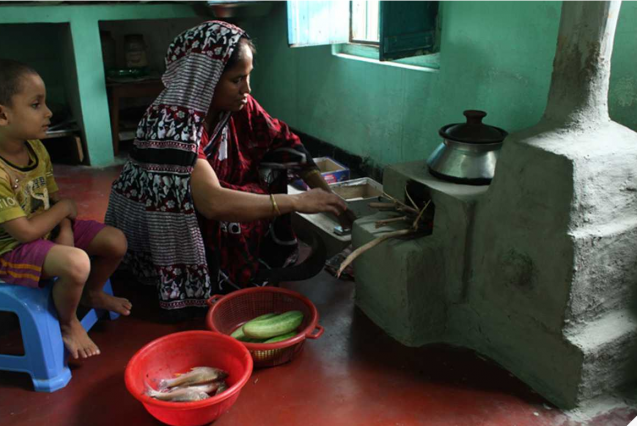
[[332, 171], [358, 189]]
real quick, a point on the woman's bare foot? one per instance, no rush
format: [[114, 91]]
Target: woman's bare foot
[[101, 300], [77, 341]]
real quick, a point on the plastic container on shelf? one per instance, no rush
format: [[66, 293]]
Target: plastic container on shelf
[[135, 51]]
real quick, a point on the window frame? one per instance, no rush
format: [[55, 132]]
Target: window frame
[[334, 20], [352, 40]]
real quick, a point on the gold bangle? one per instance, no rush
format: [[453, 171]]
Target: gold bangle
[[274, 206]]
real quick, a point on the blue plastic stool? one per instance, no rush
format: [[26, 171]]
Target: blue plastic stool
[[45, 357]]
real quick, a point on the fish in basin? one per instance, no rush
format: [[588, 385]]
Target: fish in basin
[[196, 376]]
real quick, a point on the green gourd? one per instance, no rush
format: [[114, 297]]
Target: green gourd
[[240, 335], [274, 326], [281, 338]]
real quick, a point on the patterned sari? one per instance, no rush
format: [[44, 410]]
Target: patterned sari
[[252, 152], [151, 201]]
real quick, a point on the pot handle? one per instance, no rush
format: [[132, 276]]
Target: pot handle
[[474, 116]]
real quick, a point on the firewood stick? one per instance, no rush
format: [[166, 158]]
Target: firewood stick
[[397, 206], [362, 249], [391, 206], [407, 209], [415, 224], [384, 222], [382, 205], [413, 203], [386, 195]]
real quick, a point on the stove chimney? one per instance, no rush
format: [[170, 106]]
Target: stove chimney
[[581, 69]]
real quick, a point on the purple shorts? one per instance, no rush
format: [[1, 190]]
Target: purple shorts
[[23, 265]]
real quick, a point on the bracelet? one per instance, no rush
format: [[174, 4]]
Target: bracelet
[[274, 206]]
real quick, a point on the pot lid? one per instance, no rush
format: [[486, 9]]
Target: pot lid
[[474, 130]]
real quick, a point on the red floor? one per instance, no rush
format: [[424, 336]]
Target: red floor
[[353, 375]]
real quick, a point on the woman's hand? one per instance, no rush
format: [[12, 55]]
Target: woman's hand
[[217, 203], [347, 219], [65, 236], [313, 178], [318, 201]]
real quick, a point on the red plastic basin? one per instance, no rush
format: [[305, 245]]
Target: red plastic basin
[[178, 353]]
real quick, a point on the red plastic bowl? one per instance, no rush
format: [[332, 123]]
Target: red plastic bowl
[[178, 353], [229, 312]]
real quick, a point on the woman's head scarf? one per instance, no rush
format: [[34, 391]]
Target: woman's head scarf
[[194, 63]]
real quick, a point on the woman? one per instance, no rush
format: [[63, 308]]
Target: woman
[[165, 185], [252, 152]]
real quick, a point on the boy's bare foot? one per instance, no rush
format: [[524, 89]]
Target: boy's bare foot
[[101, 300], [77, 341]]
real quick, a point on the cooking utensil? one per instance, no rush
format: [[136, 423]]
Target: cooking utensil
[[469, 151]]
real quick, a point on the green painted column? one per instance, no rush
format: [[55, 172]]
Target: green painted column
[[92, 88]]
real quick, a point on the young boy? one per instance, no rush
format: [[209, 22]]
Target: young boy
[[40, 236]]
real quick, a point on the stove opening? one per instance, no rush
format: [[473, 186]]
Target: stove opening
[[421, 197]]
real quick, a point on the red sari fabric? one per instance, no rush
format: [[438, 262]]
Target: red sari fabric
[[251, 153]]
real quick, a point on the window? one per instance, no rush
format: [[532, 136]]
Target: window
[[364, 22], [399, 29]]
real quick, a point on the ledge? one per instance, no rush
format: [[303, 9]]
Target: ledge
[[364, 53]]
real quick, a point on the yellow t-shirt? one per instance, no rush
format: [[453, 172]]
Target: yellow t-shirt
[[24, 191]]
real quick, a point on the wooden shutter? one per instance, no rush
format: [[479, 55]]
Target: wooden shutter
[[407, 28]]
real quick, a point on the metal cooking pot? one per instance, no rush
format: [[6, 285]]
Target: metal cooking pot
[[469, 151]]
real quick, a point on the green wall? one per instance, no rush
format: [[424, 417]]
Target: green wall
[[623, 79], [67, 37], [495, 56]]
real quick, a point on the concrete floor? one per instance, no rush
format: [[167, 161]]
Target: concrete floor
[[353, 375]]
